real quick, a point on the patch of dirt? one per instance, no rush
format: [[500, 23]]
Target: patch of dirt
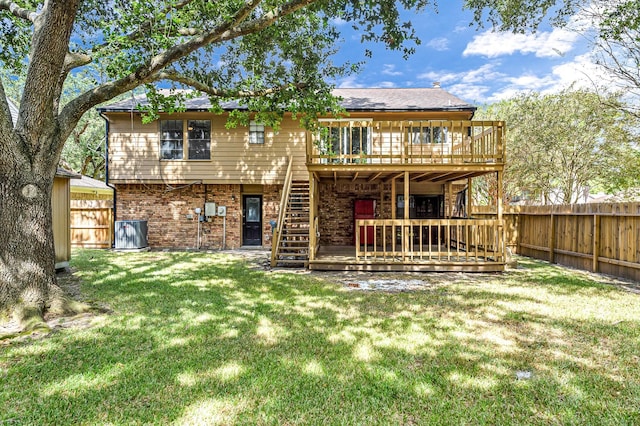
[[407, 281], [10, 332]]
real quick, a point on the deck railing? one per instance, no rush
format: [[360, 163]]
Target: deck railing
[[451, 240], [350, 142]]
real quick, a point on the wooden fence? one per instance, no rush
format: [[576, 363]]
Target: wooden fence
[[91, 223], [596, 237]]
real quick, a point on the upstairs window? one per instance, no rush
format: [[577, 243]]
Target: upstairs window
[[199, 132], [256, 132], [171, 140], [426, 135], [178, 136]]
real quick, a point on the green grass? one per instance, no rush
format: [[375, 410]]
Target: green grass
[[202, 339]]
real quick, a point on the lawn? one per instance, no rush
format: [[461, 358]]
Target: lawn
[[197, 338]]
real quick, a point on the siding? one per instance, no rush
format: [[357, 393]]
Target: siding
[[134, 153]]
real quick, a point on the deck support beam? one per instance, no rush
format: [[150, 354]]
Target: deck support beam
[[469, 200], [406, 238], [313, 213]]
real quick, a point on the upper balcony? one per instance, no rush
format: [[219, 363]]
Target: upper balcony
[[360, 144]]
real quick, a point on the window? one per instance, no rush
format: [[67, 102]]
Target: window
[[427, 134], [172, 139], [199, 139], [256, 132], [346, 140]]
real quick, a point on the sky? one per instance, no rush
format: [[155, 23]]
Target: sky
[[476, 64]]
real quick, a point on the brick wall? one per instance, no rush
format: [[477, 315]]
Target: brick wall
[[335, 209], [166, 208]]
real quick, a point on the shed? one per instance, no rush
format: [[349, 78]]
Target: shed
[[61, 216]]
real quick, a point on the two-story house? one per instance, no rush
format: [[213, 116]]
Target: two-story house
[[384, 188]]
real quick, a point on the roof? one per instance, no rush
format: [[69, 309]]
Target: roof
[[60, 172], [88, 184], [411, 99]]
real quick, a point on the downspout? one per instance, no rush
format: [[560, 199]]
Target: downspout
[[106, 173]]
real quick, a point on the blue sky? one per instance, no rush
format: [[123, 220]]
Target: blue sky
[[475, 64]]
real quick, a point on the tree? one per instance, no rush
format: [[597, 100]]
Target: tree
[[272, 55], [558, 145], [617, 46], [611, 26], [83, 150]]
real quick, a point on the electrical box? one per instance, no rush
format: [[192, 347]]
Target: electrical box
[[209, 209], [222, 211]]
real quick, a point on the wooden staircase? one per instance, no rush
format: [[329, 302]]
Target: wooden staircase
[[292, 249]]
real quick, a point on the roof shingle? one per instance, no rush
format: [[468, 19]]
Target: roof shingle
[[412, 99]]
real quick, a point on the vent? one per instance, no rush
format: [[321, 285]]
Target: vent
[[131, 234]]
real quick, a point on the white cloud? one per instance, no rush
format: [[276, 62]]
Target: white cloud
[[473, 93], [440, 44], [580, 72], [483, 74], [543, 44], [386, 84], [350, 82], [460, 28], [390, 69]]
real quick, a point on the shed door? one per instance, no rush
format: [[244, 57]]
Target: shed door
[[252, 220]]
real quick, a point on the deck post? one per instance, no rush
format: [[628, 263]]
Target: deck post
[[469, 199], [449, 198], [393, 215], [312, 216], [407, 236], [501, 230]]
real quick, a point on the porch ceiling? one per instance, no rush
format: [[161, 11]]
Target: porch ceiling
[[369, 176]]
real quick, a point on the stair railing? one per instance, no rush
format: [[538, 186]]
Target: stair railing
[[277, 235]]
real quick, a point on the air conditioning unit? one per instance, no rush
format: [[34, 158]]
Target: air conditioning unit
[[131, 234]]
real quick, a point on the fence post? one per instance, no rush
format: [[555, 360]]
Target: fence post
[[552, 237], [596, 241]]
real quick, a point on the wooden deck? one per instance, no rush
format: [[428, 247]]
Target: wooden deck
[[343, 258]]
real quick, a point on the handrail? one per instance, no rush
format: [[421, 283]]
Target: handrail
[[468, 240], [406, 142], [286, 190]]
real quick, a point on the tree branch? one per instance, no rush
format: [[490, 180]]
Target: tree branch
[[146, 26], [212, 91], [265, 20], [16, 10], [71, 60], [149, 71], [50, 45], [72, 112]]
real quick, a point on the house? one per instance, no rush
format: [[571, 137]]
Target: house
[[384, 188]]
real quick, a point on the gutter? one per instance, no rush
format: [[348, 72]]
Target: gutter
[[106, 172]]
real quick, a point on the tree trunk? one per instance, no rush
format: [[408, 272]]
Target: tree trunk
[[27, 257]]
